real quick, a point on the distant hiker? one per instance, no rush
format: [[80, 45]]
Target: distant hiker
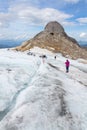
[[67, 63], [55, 57], [44, 56]]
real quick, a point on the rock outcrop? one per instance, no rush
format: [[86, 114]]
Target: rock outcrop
[[55, 39]]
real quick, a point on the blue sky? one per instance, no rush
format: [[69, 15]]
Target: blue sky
[[23, 19]]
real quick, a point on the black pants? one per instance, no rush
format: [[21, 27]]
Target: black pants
[[67, 69]]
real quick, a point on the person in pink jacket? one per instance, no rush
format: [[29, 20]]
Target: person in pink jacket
[[67, 63]]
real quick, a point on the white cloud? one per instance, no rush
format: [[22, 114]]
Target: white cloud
[[0, 24], [66, 23], [1, 35], [72, 1], [5, 19], [83, 35], [82, 20], [38, 16], [32, 15], [22, 36]]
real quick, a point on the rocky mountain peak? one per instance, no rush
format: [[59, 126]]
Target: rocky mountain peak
[[55, 39], [54, 27]]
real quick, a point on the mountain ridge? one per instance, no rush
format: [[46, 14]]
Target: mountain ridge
[[55, 39]]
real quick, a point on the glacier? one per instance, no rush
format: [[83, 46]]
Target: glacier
[[37, 93]]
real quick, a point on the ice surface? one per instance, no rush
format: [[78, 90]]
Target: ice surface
[[37, 95]]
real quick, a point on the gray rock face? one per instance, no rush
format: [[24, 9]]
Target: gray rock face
[[54, 27]]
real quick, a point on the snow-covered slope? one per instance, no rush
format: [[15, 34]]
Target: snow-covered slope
[[37, 94]]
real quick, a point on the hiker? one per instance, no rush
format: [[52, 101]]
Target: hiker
[[43, 58], [55, 57], [67, 63]]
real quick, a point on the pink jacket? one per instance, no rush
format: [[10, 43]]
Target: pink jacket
[[67, 63]]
